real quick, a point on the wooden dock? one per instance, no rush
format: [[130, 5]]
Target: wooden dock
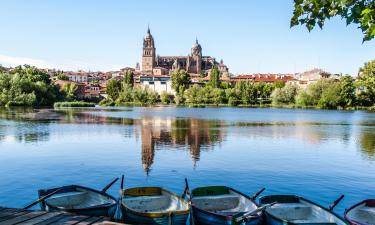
[[11, 216]]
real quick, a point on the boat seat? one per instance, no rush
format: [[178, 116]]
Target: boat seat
[[67, 198], [291, 211], [217, 203], [367, 213], [368, 210], [306, 222], [147, 203]]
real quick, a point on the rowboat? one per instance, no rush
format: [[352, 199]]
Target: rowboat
[[291, 209], [154, 205], [222, 205], [362, 213], [77, 199]]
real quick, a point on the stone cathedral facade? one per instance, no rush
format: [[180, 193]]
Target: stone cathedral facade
[[195, 63]]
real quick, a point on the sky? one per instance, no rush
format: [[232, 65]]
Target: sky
[[251, 36]]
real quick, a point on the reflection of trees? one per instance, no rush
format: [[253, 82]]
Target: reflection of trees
[[367, 142], [194, 133]]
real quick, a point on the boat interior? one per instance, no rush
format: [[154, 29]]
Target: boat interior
[[364, 213], [78, 199], [303, 212], [155, 201], [225, 204]]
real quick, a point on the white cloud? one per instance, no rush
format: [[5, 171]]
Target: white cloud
[[15, 61], [6, 60]]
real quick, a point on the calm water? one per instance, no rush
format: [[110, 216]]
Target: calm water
[[317, 154]]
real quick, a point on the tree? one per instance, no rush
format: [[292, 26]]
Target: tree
[[285, 95], [180, 80], [193, 95], [61, 76], [279, 84], [330, 98], [70, 90], [113, 89], [129, 78], [366, 84], [315, 12], [347, 92], [215, 77], [27, 86], [166, 97]]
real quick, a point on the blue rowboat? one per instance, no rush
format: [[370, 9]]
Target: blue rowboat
[[77, 199], [362, 213], [220, 205], [154, 205], [295, 210]]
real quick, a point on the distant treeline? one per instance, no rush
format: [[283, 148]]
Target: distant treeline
[[29, 86], [345, 93]]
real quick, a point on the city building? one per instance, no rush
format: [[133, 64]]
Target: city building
[[157, 83], [195, 63], [78, 77], [266, 78]]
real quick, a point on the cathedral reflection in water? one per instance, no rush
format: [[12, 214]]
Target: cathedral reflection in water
[[194, 134]]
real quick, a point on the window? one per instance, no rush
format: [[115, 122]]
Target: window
[[163, 82], [151, 82]]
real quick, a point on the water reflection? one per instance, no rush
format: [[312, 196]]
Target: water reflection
[[367, 143], [194, 134], [173, 133]]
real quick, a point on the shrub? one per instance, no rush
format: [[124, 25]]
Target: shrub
[[74, 104]]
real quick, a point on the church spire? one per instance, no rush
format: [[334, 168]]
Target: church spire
[[148, 29]]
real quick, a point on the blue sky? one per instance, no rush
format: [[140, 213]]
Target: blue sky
[[251, 36]]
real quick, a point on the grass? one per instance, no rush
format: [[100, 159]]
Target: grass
[[73, 104]]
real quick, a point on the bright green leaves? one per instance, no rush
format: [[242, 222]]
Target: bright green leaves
[[315, 12]]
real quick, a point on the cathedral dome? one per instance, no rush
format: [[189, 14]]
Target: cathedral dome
[[196, 49]]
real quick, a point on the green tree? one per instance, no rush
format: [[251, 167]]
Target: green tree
[[347, 92], [279, 84], [193, 95], [366, 84], [27, 86], [180, 81], [62, 76], [285, 95], [316, 12], [113, 89], [330, 98], [129, 78], [166, 97], [70, 90], [215, 77]]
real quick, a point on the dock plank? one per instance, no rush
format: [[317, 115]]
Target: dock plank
[[54, 219], [71, 220], [92, 220], [22, 218], [12, 215], [41, 218]]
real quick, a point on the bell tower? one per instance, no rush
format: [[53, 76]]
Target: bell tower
[[149, 53], [196, 53]]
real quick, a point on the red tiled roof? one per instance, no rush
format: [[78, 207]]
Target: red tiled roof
[[264, 77]]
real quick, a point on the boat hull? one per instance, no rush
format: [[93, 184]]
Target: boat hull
[[273, 220], [134, 218], [360, 221], [202, 217], [205, 217], [155, 206], [99, 210]]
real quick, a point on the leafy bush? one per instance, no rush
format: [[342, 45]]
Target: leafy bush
[[285, 95], [27, 86], [73, 104]]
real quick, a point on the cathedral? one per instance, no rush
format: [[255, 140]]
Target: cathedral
[[194, 64]]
